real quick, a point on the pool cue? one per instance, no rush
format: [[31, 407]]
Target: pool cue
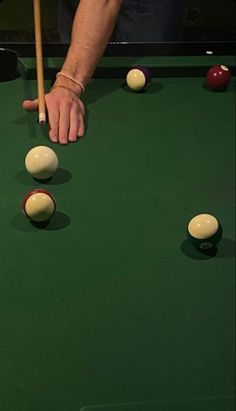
[[39, 62]]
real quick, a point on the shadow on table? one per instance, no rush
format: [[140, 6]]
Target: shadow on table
[[61, 176], [152, 89], [229, 89], [58, 222], [225, 249]]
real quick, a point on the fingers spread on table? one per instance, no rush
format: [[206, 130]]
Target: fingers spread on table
[[53, 117], [81, 126], [74, 124], [65, 115], [64, 123]]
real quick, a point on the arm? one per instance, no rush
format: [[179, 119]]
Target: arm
[[92, 27]]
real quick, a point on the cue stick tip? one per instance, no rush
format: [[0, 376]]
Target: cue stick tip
[[42, 119]]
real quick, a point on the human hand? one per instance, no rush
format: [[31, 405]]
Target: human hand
[[65, 114]]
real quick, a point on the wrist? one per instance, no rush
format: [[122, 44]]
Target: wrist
[[67, 83]]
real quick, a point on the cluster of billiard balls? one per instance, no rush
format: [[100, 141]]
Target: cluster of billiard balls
[[217, 78], [39, 205]]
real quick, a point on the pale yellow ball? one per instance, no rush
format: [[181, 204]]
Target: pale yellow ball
[[39, 207], [203, 226], [136, 79], [41, 162]]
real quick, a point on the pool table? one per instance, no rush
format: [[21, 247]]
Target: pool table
[[109, 307]]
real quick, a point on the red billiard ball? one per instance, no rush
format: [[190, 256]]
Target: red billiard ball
[[39, 205], [218, 77]]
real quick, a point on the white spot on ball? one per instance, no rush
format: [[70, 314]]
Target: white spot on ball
[[225, 68]]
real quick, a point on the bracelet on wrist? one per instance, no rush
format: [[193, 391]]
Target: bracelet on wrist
[[66, 88], [63, 74]]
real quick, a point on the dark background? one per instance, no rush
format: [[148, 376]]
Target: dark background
[[203, 20]]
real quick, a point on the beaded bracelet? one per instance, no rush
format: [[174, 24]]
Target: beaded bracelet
[[61, 73]]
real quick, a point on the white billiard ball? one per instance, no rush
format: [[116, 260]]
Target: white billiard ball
[[138, 78], [41, 162], [204, 231]]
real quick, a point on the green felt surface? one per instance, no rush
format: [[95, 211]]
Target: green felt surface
[[210, 404], [110, 304]]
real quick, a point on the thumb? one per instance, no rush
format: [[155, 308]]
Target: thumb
[[30, 105]]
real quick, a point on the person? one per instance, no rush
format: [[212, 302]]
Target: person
[[88, 25], [138, 20]]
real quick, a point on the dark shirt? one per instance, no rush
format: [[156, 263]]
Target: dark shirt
[[138, 20]]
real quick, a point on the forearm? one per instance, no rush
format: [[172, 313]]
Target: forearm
[[93, 25]]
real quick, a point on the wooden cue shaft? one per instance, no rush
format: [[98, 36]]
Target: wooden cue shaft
[[39, 61]]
